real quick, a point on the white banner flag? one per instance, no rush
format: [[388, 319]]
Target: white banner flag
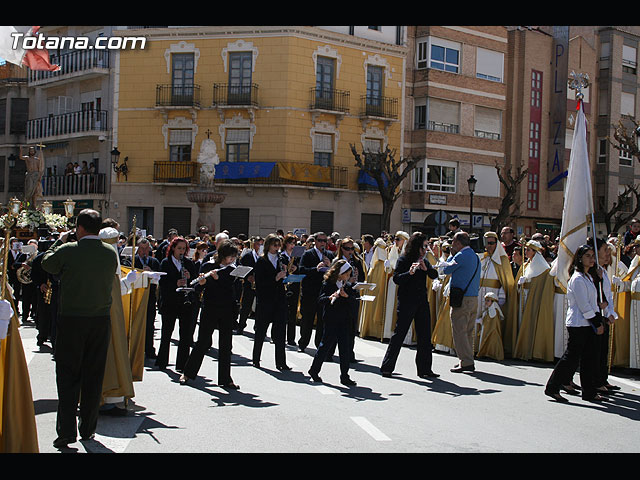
[[578, 202], [7, 50]]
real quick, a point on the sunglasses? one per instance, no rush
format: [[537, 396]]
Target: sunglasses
[[347, 248], [321, 240], [491, 243]]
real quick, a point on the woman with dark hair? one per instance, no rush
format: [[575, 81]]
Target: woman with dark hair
[[218, 311], [176, 304], [411, 275], [584, 323], [271, 301], [336, 298]]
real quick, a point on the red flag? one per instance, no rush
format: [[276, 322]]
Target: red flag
[[38, 59]]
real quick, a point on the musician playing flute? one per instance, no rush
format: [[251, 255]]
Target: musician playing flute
[[218, 311]]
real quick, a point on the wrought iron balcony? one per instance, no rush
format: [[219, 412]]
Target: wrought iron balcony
[[234, 95], [65, 185], [75, 62], [178, 96], [329, 99], [74, 124], [382, 107]]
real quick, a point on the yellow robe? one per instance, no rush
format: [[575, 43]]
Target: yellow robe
[[442, 333], [372, 314], [490, 337], [136, 328], [535, 337], [18, 433], [626, 309]]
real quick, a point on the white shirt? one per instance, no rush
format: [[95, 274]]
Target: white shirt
[[368, 256], [177, 263], [583, 300], [274, 259]]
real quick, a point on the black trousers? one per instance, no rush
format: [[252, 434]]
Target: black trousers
[[271, 313], [310, 311], [46, 318], [581, 349], [81, 355], [246, 305], [335, 332], [185, 330], [416, 311], [29, 301], [292, 311], [211, 318]]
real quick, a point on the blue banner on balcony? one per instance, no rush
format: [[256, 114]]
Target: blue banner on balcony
[[366, 179], [234, 170]]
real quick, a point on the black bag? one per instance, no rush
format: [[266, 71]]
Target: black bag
[[456, 294]]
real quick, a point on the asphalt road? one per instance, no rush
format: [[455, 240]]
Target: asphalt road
[[499, 408]]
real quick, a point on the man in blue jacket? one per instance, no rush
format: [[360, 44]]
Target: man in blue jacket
[[464, 268]]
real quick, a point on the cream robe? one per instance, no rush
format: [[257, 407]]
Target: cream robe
[[391, 302], [490, 338], [372, 313]]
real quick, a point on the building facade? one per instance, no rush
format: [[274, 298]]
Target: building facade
[[275, 108], [456, 102]]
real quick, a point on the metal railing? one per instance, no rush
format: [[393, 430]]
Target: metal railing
[[67, 123], [329, 99], [490, 135], [53, 185], [225, 94], [72, 62], [383, 107], [178, 96], [189, 173], [443, 127]]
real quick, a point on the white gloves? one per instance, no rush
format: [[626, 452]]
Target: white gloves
[[6, 312]]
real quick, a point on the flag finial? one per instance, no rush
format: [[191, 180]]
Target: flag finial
[[578, 82]]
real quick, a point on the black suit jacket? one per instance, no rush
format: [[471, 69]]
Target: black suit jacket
[[14, 265], [312, 282], [268, 290], [342, 308], [248, 261], [412, 287], [170, 300]]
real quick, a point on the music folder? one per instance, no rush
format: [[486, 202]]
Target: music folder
[[241, 271]]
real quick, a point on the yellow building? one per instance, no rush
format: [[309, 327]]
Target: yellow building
[[287, 100]]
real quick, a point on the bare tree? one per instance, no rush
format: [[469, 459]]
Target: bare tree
[[388, 174], [617, 212], [508, 207], [627, 140]]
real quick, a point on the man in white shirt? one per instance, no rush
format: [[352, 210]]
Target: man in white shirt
[[367, 243]]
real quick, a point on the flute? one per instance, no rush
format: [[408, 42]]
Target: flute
[[209, 273]]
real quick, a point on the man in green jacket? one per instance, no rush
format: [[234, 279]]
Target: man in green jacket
[[86, 268]]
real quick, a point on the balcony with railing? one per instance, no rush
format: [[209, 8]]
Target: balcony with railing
[[443, 127], [225, 95], [178, 96], [72, 65], [329, 99], [189, 173], [379, 107], [85, 123], [76, 185]]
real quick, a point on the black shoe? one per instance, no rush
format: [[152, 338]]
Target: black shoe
[[429, 374], [256, 363], [569, 390], [347, 381], [63, 442], [86, 438], [184, 379], [612, 387], [386, 374], [556, 396], [283, 368], [301, 348], [230, 385], [460, 369], [315, 377], [596, 398], [151, 355]]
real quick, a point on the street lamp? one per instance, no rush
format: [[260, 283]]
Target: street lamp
[[47, 208], [115, 157], [471, 182]]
